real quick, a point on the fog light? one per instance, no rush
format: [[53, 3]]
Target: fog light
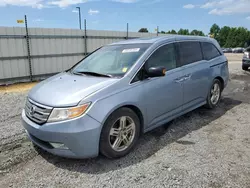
[[58, 145]]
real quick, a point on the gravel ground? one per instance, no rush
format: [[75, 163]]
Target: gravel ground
[[204, 148]]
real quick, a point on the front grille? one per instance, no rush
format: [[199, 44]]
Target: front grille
[[36, 112]]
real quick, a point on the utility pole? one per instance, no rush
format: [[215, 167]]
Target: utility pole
[[80, 17]]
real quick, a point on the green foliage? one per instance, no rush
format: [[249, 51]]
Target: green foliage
[[183, 32], [228, 37], [230, 42], [197, 33], [143, 30], [173, 32], [223, 35], [214, 30], [234, 37]]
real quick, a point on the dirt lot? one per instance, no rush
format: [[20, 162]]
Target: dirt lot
[[204, 148]]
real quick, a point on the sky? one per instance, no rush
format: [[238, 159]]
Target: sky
[[115, 14]]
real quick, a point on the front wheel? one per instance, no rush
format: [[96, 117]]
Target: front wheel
[[214, 94], [120, 133]]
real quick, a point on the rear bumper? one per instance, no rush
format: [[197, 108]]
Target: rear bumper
[[80, 136]]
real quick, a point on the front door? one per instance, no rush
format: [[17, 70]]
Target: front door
[[163, 96]]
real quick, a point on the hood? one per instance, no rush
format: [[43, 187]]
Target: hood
[[66, 89]]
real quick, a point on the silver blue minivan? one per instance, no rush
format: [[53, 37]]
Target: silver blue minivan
[[122, 90]]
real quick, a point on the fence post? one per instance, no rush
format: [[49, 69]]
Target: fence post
[[127, 31], [157, 30], [28, 47], [85, 37]]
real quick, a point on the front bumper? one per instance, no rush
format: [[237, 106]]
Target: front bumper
[[81, 136]]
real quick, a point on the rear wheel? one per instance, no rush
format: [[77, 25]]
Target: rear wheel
[[120, 133], [214, 94]]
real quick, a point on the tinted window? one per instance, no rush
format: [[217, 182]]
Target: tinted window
[[189, 52], [209, 51], [137, 77], [164, 56]]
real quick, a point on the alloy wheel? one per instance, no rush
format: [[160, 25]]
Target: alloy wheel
[[215, 93], [122, 133]]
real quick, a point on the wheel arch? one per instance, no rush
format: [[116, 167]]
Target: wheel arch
[[221, 80], [138, 113], [135, 109]]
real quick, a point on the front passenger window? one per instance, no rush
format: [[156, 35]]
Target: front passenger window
[[164, 56]]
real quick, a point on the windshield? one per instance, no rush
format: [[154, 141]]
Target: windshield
[[113, 60]]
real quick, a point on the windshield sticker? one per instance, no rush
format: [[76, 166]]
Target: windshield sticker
[[125, 69], [131, 50]]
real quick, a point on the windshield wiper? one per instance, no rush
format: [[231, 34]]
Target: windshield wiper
[[93, 74]]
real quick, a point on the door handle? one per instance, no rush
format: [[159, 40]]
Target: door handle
[[182, 79], [179, 80], [187, 77]]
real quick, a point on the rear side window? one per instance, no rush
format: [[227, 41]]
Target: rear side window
[[209, 51], [164, 56], [189, 52]]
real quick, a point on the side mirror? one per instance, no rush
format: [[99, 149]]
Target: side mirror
[[156, 72]]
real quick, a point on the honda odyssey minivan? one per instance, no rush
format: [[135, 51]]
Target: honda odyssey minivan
[[122, 90]]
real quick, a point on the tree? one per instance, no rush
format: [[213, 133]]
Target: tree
[[186, 32], [246, 45], [197, 33], [231, 38], [223, 35], [173, 32], [248, 39], [215, 30], [183, 32], [237, 37], [241, 36], [143, 30], [180, 32]]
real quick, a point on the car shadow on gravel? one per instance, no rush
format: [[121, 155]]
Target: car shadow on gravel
[[149, 143]]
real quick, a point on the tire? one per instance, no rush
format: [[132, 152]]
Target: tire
[[244, 68], [210, 103], [107, 141]]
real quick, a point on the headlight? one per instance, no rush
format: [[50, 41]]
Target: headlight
[[60, 114]]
